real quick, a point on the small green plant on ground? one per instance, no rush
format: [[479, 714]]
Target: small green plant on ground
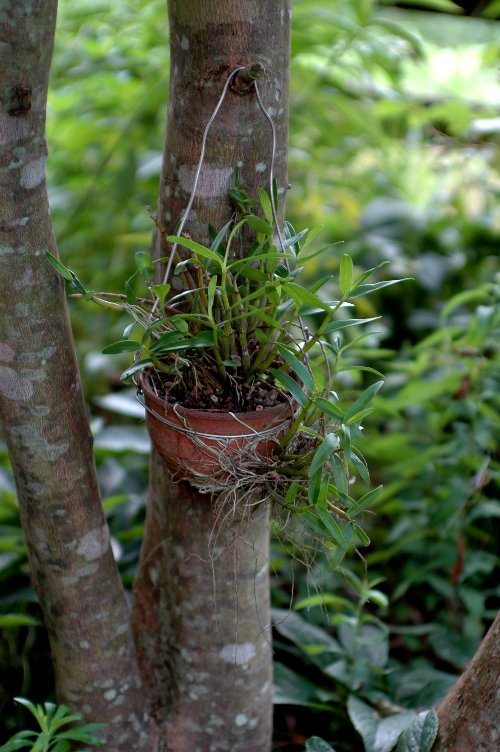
[[53, 736]]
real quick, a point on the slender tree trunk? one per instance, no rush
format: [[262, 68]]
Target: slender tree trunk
[[43, 414], [202, 623], [469, 716]]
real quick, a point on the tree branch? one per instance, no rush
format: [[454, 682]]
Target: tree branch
[[43, 414]]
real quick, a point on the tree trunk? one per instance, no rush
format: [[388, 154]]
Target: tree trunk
[[202, 622], [43, 414], [469, 715]]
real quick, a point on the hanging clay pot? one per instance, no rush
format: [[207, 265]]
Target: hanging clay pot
[[201, 443]]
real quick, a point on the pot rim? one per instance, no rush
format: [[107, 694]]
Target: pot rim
[[177, 412]]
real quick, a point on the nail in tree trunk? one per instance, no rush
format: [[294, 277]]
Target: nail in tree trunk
[[42, 411], [202, 617]]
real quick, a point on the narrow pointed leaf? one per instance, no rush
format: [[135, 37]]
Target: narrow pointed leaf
[[59, 267], [345, 277], [361, 467], [212, 286], [324, 452], [265, 202], [361, 535], [123, 345], [135, 368], [334, 326], [198, 249], [331, 525], [363, 400], [340, 475], [367, 289], [329, 409], [290, 385], [365, 501], [301, 296], [258, 224], [298, 367]]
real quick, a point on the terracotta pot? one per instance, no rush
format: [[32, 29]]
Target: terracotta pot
[[197, 443]]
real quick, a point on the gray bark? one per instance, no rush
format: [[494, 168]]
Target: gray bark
[[43, 414], [469, 716], [202, 627]]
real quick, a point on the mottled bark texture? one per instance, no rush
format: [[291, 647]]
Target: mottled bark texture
[[202, 626], [203, 595], [43, 414], [469, 716]]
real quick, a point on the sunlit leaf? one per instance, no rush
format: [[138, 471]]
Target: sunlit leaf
[[123, 345], [345, 277], [324, 452]]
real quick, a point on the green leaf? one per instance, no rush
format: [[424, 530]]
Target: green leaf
[[346, 442], [265, 202], [365, 501], [339, 473], [290, 385], [324, 452], [361, 467], [168, 343], [389, 729], [304, 634], [258, 224], [311, 234], [173, 335], [59, 267], [293, 240], [212, 286], [334, 326], [10, 621], [297, 367], [356, 292], [421, 735], [315, 744], [331, 525], [363, 400], [346, 270], [123, 345], [144, 263], [197, 248], [366, 369], [301, 296], [329, 409], [293, 689], [252, 273], [202, 339], [139, 366], [361, 535], [478, 295], [220, 237], [365, 720], [161, 291]]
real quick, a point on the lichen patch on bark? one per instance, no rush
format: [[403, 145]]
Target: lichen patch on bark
[[7, 353], [94, 544], [33, 173], [238, 655], [13, 386]]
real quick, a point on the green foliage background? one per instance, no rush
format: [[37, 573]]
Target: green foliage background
[[394, 139]]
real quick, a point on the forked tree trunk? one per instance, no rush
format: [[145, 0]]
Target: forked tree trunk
[[43, 414], [202, 611], [469, 716]]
